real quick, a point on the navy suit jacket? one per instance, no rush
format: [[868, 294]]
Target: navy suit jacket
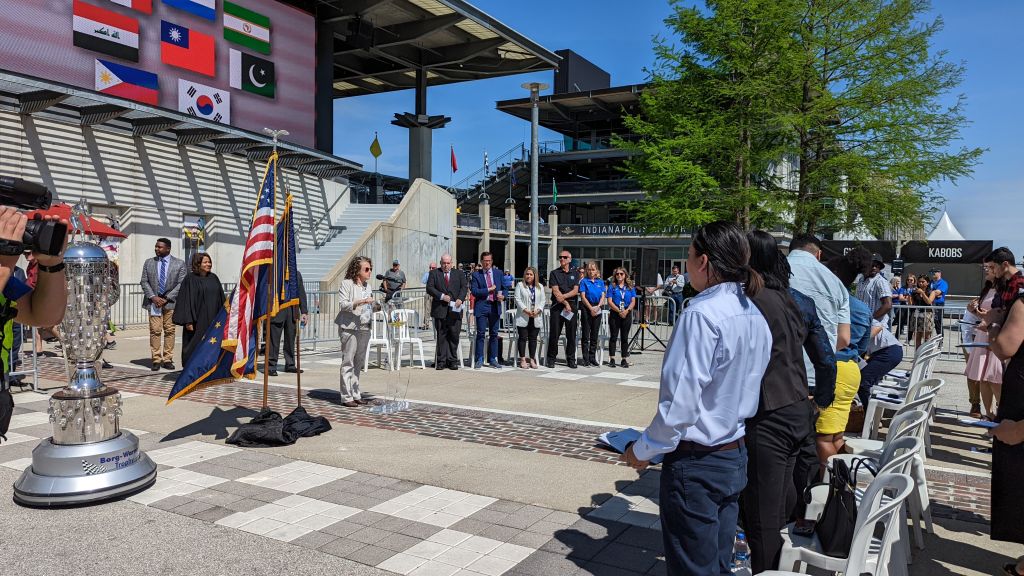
[[478, 286]]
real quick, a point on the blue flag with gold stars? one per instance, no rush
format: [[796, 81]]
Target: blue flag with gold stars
[[210, 363]]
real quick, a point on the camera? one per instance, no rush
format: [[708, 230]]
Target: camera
[[41, 236]]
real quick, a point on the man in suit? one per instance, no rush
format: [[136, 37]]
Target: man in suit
[[446, 286], [284, 322], [488, 296], [161, 279]]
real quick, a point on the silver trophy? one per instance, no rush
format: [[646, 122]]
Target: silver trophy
[[88, 458]]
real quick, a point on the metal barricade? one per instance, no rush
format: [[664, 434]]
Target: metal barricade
[[955, 331]]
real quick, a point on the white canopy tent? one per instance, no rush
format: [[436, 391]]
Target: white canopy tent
[[945, 230]]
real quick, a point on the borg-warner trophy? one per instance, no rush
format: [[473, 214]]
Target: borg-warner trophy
[[88, 458]]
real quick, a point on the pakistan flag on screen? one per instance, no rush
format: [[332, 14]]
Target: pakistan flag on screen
[[251, 73], [247, 28]]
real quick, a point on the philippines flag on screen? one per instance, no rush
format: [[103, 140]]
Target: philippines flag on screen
[[202, 8], [186, 48], [126, 82]]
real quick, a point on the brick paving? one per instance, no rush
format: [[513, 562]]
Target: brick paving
[[959, 496]]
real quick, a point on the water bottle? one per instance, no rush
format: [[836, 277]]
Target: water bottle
[[741, 555]]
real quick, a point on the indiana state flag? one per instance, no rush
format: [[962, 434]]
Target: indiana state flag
[[210, 363], [287, 265]]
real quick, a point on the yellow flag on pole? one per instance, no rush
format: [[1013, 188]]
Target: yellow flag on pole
[[375, 147]]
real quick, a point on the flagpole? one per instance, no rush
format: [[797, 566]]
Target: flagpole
[[272, 286], [298, 331]]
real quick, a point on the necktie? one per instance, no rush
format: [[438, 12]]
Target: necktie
[[163, 276], [446, 278], [490, 283]]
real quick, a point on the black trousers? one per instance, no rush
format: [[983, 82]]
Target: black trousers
[[774, 442], [446, 332], [590, 326], [937, 312], [528, 335], [282, 323], [555, 331], [618, 329]]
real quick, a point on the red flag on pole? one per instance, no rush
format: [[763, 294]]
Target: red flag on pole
[[455, 165]]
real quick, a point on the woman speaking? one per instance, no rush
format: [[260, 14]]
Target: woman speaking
[[353, 320]]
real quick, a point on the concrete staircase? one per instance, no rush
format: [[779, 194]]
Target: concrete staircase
[[315, 263]]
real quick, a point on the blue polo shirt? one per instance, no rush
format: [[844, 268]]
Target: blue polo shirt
[[621, 296], [593, 289], [944, 287]]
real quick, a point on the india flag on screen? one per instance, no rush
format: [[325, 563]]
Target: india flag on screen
[[245, 27]]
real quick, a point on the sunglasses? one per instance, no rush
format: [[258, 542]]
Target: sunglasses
[[366, 269], [620, 273], [564, 257]]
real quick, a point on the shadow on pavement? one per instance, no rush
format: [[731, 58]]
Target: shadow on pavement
[[217, 424]]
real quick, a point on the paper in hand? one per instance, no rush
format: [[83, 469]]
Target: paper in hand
[[567, 314]]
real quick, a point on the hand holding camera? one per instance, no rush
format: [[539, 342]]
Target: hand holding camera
[[46, 236]]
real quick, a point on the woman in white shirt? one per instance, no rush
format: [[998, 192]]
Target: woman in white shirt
[[710, 384], [530, 302], [353, 320]]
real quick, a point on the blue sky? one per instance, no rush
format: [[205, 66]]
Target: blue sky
[[983, 35]]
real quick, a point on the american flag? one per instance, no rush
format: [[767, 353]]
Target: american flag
[[249, 302]]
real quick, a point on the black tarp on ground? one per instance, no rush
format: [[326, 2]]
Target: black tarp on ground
[[268, 428]]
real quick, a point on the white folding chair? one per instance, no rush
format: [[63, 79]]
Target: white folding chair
[[886, 399], [379, 339], [402, 320], [897, 458], [906, 422], [881, 504]]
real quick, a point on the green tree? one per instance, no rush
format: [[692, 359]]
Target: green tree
[[873, 134], [713, 118], [850, 89]]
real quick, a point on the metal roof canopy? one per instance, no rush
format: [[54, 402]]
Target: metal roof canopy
[[86, 108], [380, 44], [579, 114]]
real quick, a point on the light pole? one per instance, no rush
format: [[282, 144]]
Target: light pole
[[534, 88]]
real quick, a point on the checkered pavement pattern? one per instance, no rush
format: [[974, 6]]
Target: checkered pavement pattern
[[398, 526]]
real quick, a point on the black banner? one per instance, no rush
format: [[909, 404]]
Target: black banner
[[937, 251]]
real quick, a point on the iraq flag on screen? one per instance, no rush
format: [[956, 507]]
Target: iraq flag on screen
[[251, 73]]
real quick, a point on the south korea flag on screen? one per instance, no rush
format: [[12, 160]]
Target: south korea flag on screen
[[204, 101]]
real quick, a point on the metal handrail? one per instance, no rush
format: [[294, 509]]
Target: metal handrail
[[327, 214]]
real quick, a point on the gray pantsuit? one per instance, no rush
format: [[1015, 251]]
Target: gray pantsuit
[[353, 352]]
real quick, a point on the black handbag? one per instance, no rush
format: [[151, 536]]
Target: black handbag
[[839, 517], [6, 410]]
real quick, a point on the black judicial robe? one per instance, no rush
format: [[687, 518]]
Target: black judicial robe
[[199, 301]]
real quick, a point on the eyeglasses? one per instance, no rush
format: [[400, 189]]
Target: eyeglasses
[[620, 273], [564, 257]]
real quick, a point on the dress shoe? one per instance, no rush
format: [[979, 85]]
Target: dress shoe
[[361, 401], [350, 404], [550, 363], [584, 362], [624, 363], [571, 364], [594, 362], [272, 372], [453, 366], [155, 366], [169, 365], [611, 363], [294, 370]]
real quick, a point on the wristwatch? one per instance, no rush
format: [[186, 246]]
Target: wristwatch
[[55, 268]]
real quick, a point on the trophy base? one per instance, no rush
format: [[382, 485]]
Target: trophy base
[[68, 475]]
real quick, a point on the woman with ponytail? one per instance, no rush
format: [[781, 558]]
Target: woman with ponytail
[[710, 384]]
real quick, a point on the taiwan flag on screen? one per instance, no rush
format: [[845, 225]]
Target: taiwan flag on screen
[[186, 48], [127, 82]]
